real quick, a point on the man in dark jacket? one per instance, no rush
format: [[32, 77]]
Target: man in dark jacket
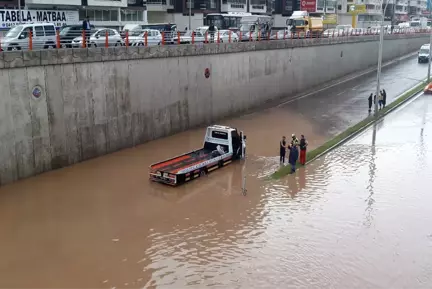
[[87, 28], [282, 150], [370, 102], [293, 156], [212, 31], [384, 98]]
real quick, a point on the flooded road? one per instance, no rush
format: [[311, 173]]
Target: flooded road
[[354, 219]]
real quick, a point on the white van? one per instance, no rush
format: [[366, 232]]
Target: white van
[[17, 38], [423, 54]]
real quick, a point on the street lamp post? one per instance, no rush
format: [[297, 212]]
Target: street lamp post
[[381, 40], [430, 56], [190, 14]]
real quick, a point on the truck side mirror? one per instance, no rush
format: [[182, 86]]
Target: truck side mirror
[[244, 137]]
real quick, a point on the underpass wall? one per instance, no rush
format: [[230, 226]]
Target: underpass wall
[[62, 107]]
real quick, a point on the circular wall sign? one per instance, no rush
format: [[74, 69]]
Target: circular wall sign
[[207, 73], [36, 92]]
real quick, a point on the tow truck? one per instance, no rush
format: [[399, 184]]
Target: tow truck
[[222, 145]]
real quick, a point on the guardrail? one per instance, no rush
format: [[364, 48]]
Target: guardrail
[[110, 37]]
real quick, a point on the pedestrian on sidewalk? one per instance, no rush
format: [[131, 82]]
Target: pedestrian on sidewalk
[[375, 99], [303, 147], [380, 100], [293, 156], [384, 97], [282, 150], [370, 102]]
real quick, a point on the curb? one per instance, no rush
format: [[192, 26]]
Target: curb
[[409, 94]]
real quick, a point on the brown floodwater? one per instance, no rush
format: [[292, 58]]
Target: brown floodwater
[[356, 218]]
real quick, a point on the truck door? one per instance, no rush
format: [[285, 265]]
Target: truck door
[[236, 144]]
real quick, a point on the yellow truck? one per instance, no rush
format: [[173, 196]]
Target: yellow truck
[[300, 24]]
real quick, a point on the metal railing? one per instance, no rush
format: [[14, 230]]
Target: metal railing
[[105, 38]]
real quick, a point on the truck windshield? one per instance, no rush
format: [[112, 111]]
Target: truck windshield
[[247, 27], [424, 51], [296, 22]]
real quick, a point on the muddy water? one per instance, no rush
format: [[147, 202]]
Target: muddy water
[[339, 223]]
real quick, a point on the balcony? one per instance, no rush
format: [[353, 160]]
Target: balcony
[[233, 6], [258, 6], [160, 5]]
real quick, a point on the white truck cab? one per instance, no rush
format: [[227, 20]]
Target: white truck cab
[[222, 145]]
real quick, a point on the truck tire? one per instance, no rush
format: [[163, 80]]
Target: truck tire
[[203, 173], [220, 164]]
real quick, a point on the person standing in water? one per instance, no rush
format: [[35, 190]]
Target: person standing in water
[[303, 147], [384, 99], [293, 156], [282, 150]]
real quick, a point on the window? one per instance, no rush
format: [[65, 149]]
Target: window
[[49, 30], [39, 31], [219, 134], [111, 32]]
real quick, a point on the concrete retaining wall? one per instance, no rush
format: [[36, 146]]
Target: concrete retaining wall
[[62, 107]]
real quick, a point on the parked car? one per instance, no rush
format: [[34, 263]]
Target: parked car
[[154, 37], [98, 38], [17, 38], [69, 33], [332, 33], [187, 37], [224, 36], [281, 34]]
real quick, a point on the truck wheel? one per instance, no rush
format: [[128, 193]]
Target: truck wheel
[[220, 164], [203, 173]]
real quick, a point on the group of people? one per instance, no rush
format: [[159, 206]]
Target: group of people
[[382, 99], [293, 151]]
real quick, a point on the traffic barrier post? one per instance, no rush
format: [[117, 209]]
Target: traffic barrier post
[[268, 36], [84, 39], [193, 37], [229, 36], [106, 38], [240, 36], [146, 38], [127, 38], [333, 34], [250, 36], [163, 38], [259, 35], [57, 39], [284, 34], [206, 37], [298, 35], [276, 37], [178, 37], [218, 37], [30, 40]]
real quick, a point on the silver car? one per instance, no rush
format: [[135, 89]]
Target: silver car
[[98, 38], [17, 38], [154, 37]]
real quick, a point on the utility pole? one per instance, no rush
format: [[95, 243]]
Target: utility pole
[[430, 56], [381, 41], [190, 14], [19, 11]]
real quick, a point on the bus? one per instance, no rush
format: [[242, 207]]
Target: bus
[[225, 21]]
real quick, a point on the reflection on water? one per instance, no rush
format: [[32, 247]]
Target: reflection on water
[[355, 218]]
